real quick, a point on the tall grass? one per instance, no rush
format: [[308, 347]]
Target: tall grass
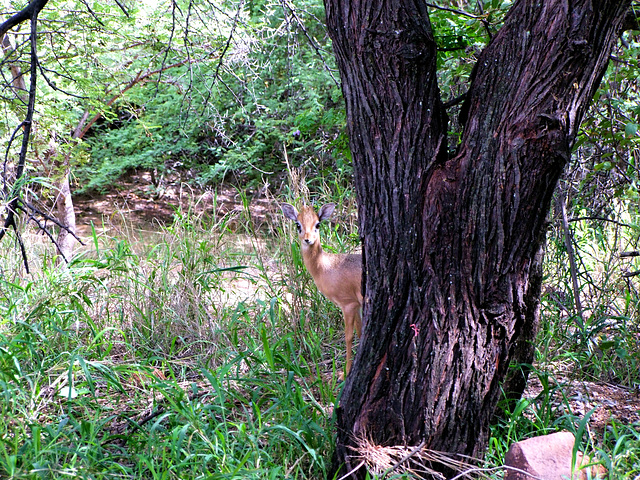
[[583, 343], [196, 355], [203, 350]]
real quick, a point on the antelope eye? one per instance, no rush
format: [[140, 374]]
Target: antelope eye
[[318, 226], [299, 227]]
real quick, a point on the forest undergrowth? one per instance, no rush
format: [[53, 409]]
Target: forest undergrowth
[[199, 347], [202, 349]]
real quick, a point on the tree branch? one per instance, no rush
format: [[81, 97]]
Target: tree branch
[[31, 11], [46, 231], [226, 47], [49, 218], [455, 101], [602, 219], [631, 274], [138, 79]]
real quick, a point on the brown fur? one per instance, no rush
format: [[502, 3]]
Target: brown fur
[[337, 276]]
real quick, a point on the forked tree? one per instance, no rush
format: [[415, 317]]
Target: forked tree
[[452, 242]]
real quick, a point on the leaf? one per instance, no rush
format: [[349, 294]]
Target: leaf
[[606, 166], [71, 392], [631, 129]]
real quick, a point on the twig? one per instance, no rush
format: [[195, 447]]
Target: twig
[[603, 219], [46, 231], [311, 41], [358, 467], [154, 414], [404, 459], [226, 47], [481, 17], [630, 274], [122, 7], [568, 242], [48, 217], [495, 469], [93, 14], [453, 10], [174, 5]]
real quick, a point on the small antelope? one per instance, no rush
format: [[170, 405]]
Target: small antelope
[[337, 276]]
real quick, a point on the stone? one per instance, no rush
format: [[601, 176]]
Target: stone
[[548, 457]]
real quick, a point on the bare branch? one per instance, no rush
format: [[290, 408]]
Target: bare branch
[[93, 14], [33, 209], [29, 12], [602, 219], [46, 231], [455, 101], [312, 42], [27, 123], [122, 7], [453, 10], [226, 47], [166, 52]]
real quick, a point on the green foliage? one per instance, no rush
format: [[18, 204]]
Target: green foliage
[[219, 91], [621, 450], [152, 363], [229, 113], [160, 141]]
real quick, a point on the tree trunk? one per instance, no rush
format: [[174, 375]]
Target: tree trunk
[[64, 201], [17, 79], [452, 247], [61, 169], [66, 216]]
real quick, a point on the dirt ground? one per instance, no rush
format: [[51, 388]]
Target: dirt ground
[[138, 202], [609, 402]]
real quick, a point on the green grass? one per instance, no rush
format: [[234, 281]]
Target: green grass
[[598, 346], [205, 351], [188, 359]]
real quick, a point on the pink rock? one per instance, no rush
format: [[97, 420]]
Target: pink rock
[[548, 458]]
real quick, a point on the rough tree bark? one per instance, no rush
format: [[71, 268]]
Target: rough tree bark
[[452, 245]]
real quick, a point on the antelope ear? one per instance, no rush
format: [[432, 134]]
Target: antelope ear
[[290, 212], [326, 211]]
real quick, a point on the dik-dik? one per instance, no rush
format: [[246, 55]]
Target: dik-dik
[[337, 276]]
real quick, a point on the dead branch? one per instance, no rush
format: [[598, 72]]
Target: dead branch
[[30, 12], [48, 218], [568, 241]]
